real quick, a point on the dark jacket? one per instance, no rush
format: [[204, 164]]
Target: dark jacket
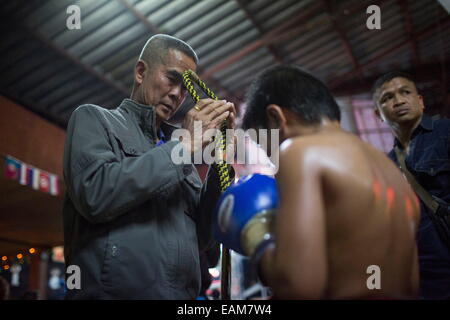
[[429, 161], [132, 217]]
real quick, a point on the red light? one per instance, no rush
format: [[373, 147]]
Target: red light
[[390, 194], [409, 208], [376, 190]]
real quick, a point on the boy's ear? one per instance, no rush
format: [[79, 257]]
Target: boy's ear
[[275, 116]]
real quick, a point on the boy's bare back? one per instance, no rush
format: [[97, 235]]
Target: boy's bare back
[[353, 211]]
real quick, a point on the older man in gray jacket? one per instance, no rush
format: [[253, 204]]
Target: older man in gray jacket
[[133, 218]]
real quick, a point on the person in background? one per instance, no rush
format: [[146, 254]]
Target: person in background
[[338, 215], [425, 143]]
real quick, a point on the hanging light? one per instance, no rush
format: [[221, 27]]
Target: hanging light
[[19, 256], [32, 250], [4, 258]]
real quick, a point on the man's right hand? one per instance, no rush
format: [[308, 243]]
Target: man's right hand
[[210, 113]]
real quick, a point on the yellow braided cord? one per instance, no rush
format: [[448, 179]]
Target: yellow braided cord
[[222, 168]]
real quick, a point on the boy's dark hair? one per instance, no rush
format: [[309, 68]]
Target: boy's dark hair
[[388, 77], [292, 88]]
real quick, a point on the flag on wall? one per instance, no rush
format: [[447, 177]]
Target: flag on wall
[[44, 183], [54, 187], [12, 168], [23, 174], [30, 176]]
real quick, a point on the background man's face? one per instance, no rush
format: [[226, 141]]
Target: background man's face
[[163, 86], [399, 102]]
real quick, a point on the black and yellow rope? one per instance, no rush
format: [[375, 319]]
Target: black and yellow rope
[[222, 169], [190, 75]]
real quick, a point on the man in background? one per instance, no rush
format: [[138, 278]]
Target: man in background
[[426, 145]]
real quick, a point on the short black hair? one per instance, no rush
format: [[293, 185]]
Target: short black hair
[[388, 77], [157, 47], [289, 87]]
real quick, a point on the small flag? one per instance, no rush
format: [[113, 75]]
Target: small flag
[[36, 176], [44, 184], [23, 174], [12, 168], [54, 187], [30, 176]]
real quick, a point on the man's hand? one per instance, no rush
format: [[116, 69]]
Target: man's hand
[[210, 113]]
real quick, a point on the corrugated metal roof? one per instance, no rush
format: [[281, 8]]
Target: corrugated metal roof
[[51, 70]]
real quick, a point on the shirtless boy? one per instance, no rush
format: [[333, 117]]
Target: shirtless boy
[[341, 205]]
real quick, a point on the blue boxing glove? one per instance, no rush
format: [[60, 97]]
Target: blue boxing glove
[[245, 213]]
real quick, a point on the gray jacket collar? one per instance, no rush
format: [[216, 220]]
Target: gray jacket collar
[[146, 118]]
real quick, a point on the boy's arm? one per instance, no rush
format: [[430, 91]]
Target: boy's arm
[[296, 268]]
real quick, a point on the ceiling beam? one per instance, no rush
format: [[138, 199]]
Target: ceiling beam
[[403, 4], [151, 27], [60, 52], [92, 71], [344, 40], [275, 35], [422, 73], [73, 59], [278, 58], [155, 30], [389, 51], [284, 32]]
